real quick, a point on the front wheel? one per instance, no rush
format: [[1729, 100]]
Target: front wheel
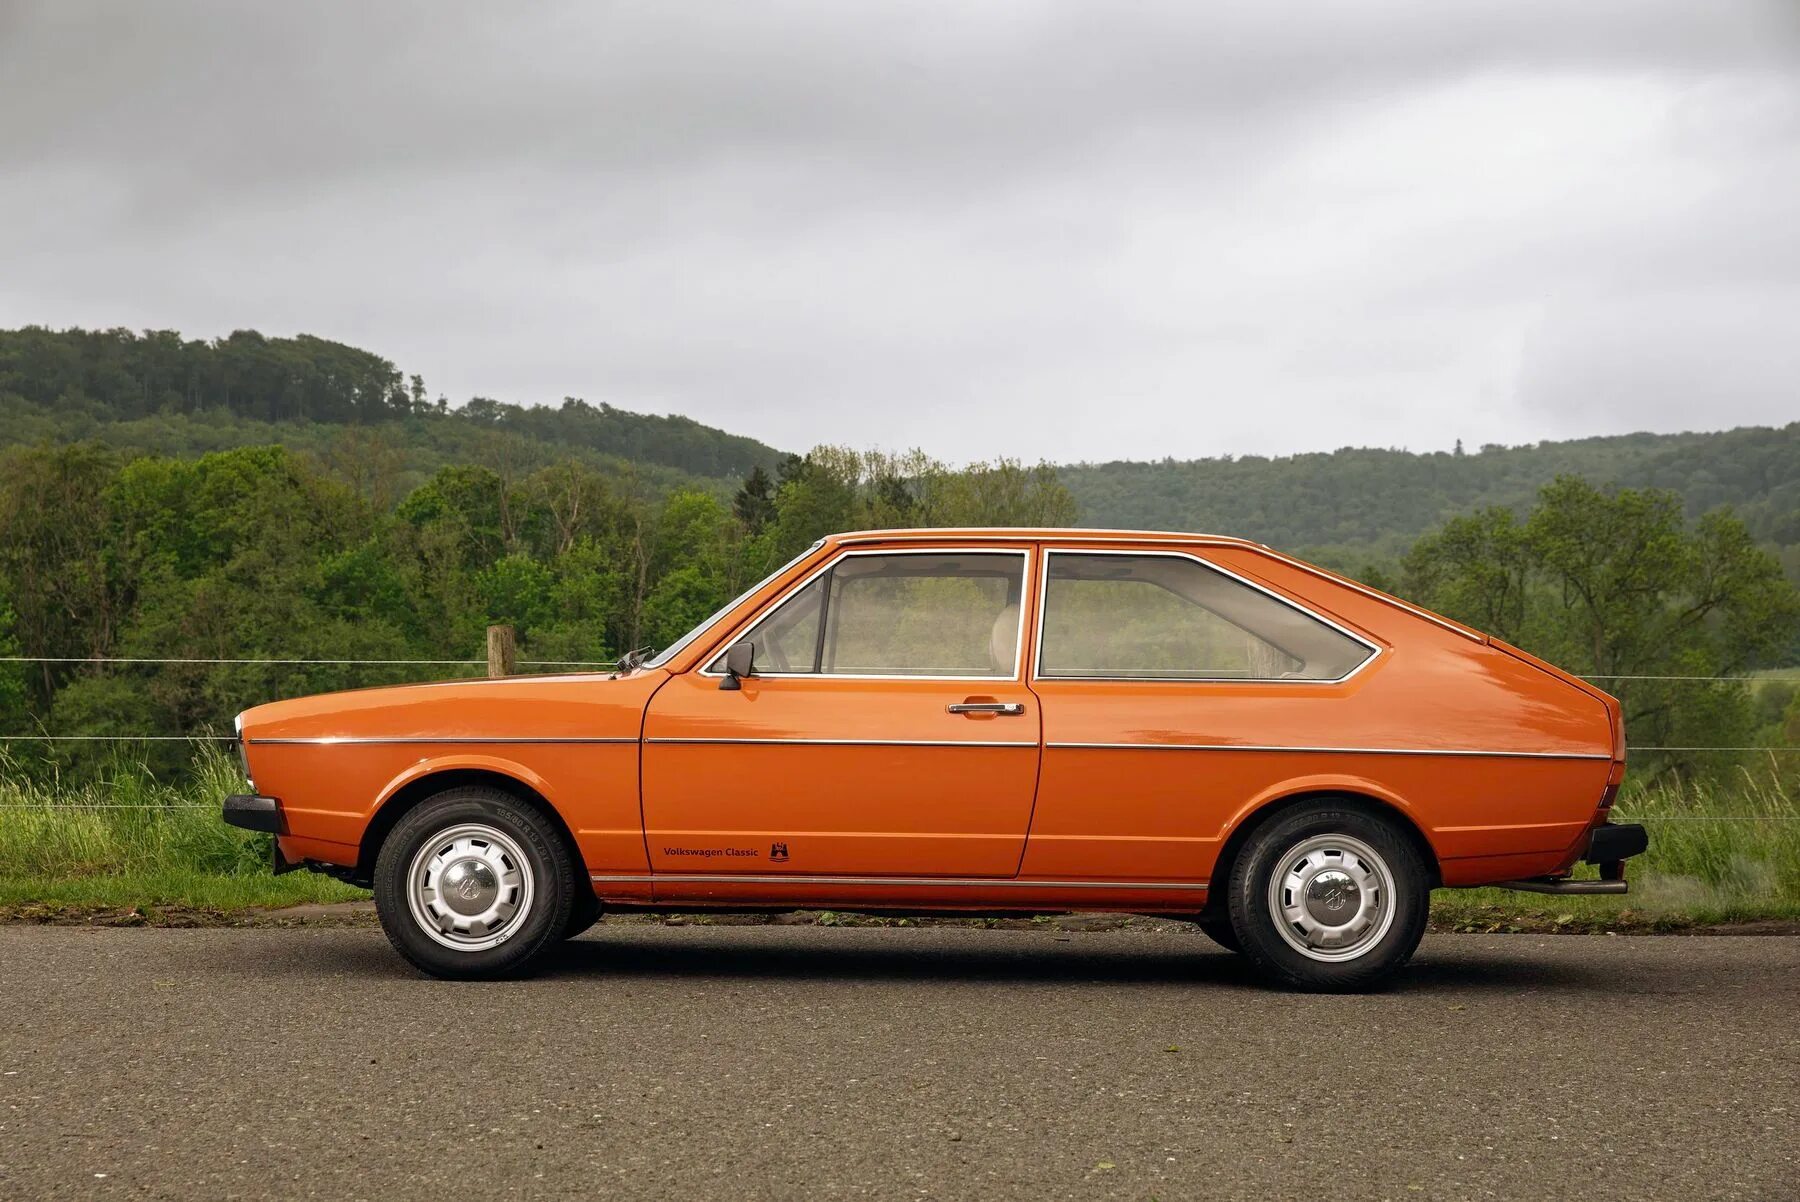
[[1330, 897], [474, 883]]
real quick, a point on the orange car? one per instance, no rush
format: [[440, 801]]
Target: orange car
[[972, 720]]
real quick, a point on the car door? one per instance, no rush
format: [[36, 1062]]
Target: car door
[[1174, 694], [886, 731]]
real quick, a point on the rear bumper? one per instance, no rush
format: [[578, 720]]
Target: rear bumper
[[254, 812], [1610, 845], [1613, 843]]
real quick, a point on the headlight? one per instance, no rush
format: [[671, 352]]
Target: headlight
[[237, 724]]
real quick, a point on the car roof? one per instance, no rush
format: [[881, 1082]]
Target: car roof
[[1034, 534]]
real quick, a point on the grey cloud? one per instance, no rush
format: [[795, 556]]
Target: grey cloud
[[1068, 230]]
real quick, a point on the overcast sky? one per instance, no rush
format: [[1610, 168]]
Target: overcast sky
[[1070, 231]]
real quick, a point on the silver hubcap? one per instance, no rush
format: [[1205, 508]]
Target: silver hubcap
[[470, 887], [1331, 897]]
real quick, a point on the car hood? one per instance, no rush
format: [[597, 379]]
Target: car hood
[[511, 709]]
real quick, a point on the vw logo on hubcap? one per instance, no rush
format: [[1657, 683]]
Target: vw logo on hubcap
[[469, 886], [1332, 897]]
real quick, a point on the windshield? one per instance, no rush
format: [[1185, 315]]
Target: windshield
[[662, 657]]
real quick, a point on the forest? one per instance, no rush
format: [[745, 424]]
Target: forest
[[1360, 505], [155, 392]]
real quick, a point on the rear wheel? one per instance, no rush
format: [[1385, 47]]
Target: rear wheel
[[1329, 896], [474, 883]]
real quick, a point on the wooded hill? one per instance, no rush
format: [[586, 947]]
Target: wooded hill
[[1380, 500], [160, 393]]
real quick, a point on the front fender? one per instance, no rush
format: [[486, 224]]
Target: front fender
[[464, 762]]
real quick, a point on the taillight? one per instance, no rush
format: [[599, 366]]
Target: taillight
[[1614, 779]]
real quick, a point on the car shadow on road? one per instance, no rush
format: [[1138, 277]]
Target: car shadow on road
[[1079, 961], [983, 961], [1076, 962]]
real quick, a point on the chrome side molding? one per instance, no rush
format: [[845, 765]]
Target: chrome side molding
[[734, 878]]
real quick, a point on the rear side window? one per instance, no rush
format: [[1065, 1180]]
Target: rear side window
[[1170, 617], [953, 613]]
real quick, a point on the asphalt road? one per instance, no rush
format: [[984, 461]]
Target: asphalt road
[[791, 1062]]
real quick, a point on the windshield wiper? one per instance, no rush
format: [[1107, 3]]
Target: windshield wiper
[[631, 661]]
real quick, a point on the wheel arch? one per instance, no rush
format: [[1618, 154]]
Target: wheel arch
[[1361, 794], [408, 793]]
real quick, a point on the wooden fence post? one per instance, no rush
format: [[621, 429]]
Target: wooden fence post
[[502, 654]]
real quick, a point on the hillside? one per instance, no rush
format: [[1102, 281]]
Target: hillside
[[1378, 501], [159, 393]]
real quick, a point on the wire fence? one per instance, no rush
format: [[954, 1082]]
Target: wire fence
[[429, 663], [608, 664]]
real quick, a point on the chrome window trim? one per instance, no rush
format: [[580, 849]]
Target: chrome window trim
[[1031, 534], [852, 742], [1043, 589], [1025, 577], [1075, 534], [1457, 751], [404, 739], [954, 882]]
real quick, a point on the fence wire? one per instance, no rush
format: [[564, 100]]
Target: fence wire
[[607, 663], [428, 663], [53, 806]]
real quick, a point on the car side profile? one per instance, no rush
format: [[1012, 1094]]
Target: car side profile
[[941, 721]]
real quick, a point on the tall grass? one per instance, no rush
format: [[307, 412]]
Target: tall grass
[[125, 839], [126, 821], [1719, 852], [1725, 851]]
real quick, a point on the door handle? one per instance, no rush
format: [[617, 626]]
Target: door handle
[[987, 707]]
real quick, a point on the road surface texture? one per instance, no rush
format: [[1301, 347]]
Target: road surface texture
[[816, 1062]]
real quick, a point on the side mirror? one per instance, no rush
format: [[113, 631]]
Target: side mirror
[[740, 661]]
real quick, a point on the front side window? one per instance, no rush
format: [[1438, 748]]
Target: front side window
[[949, 613], [1169, 617]]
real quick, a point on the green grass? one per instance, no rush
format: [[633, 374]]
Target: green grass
[[1719, 853], [171, 889]]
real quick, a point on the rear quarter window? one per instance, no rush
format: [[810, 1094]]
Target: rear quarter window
[[1148, 615]]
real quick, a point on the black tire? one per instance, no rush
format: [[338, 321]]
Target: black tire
[[583, 913], [522, 846], [1342, 856], [1217, 926]]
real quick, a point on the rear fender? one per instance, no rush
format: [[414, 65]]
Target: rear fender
[[1328, 783]]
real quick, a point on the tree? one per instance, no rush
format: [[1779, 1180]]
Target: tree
[[754, 503], [13, 714], [1618, 586], [66, 586]]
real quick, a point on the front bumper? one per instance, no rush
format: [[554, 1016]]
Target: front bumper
[[254, 812], [1609, 846]]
